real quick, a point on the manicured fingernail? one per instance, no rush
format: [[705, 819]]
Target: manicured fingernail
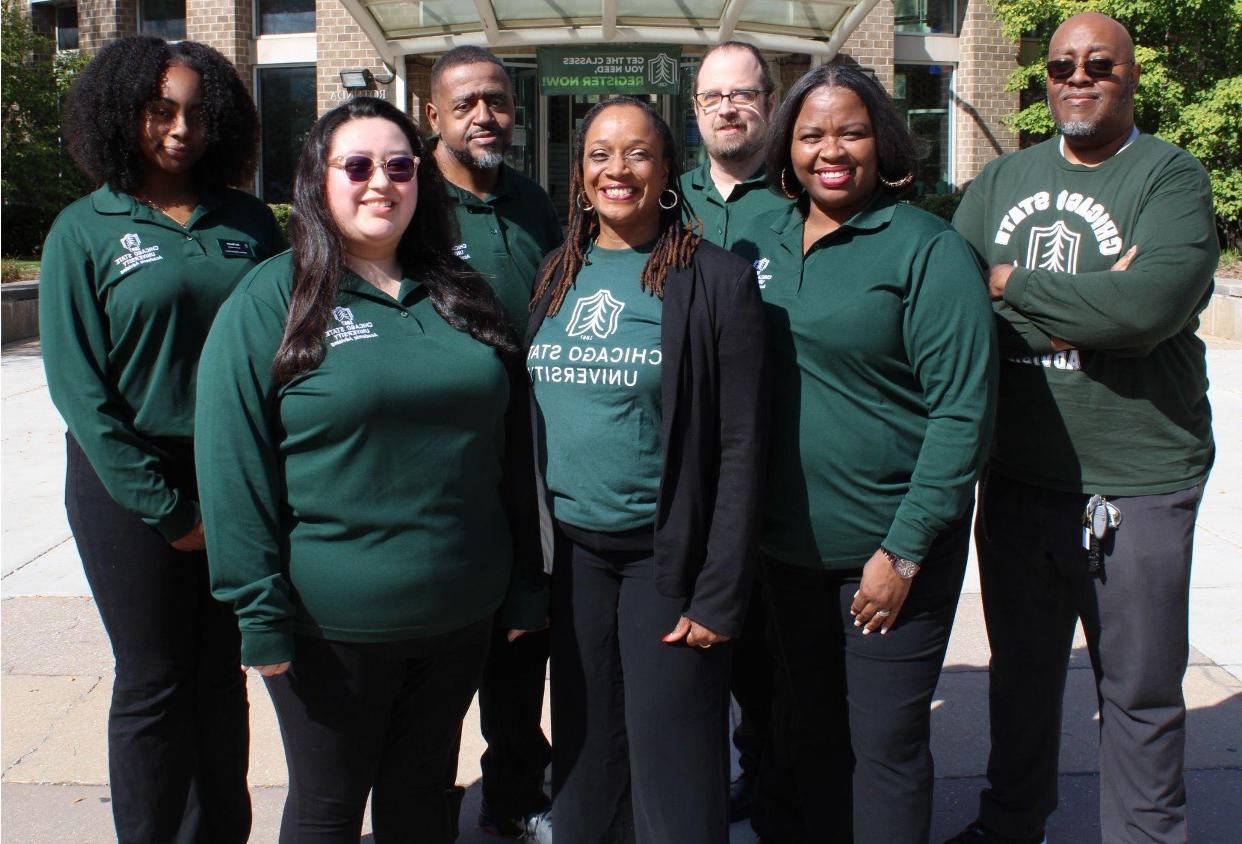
[[866, 631], [857, 623], [883, 630]]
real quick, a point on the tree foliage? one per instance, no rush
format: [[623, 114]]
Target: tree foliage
[[1190, 91], [38, 178]]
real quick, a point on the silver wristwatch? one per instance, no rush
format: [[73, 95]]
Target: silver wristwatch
[[905, 569]]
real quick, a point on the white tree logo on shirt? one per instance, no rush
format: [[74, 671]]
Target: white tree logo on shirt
[[343, 315], [1053, 248], [132, 242], [595, 317]]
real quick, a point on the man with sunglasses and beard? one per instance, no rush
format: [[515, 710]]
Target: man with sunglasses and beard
[[1101, 245], [507, 224], [734, 100]]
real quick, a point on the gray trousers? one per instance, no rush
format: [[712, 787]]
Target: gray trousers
[[1033, 571]]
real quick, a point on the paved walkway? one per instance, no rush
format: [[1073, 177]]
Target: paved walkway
[[57, 666]]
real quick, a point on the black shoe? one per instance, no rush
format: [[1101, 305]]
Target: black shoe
[[508, 827], [741, 797], [977, 833]]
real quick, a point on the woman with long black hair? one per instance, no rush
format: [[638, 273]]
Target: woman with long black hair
[[353, 417], [647, 356], [131, 279]]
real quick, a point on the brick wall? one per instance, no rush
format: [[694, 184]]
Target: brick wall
[[103, 21], [871, 45], [418, 87], [227, 25], [986, 58], [341, 44]]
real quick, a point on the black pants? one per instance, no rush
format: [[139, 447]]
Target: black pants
[[1033, 571], [753, 668], [639, 727], [376, 718], [850, 757], [178, 728], [510, 713]]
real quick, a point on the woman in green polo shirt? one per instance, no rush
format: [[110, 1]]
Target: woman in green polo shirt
[[132, 277], [359, 481], [647, 358], [884, 387]]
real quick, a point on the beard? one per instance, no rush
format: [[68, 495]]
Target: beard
[[484, 160], [1087, 128], [740, 147]]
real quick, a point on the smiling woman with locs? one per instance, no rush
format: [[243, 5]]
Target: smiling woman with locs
[[647, 358], [131, 279]]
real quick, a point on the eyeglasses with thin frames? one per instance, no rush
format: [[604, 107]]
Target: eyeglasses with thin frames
[[360, 168], [711, 100], [1062, 69]]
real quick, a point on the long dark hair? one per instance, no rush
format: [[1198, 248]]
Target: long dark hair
[[897, 150], [104, 112], [679, 234], [425, 250]]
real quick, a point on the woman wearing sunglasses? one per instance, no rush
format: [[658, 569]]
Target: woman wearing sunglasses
[[353, 410], [132, 277]]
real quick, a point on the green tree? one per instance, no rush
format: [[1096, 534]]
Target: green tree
[[1190, 91], [38, 178]]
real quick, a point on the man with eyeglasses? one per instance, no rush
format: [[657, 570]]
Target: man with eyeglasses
[[734, 100], [1101, 245], [507, 224]]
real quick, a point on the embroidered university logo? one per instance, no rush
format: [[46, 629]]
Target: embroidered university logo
[[343, 315], [760, 266], [136, 254], [132, 242], [1053, 248], [595, 317], [462, 250]]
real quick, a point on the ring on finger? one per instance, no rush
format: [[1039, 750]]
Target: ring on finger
[[883, 613], [705, 647]]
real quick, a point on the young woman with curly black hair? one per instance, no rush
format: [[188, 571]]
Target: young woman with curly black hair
[[647, 359], [364, 456], [132, 277]]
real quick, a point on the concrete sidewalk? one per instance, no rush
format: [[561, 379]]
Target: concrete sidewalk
[[57, 668]]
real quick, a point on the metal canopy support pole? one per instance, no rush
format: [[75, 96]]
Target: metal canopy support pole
[[608, 20], [487, 16], [846, 28], [728, 20]]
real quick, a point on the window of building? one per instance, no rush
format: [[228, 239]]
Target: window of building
[[162, 18], [924, 16], [67, 27], [280, 17], [286, 110], [923, 94]]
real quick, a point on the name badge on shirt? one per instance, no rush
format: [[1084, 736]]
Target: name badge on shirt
[[236, 249]]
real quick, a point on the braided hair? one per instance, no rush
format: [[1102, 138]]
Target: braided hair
[[679, 236]]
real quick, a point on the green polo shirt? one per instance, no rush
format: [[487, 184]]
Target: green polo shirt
[[884, 383], [595, 369], [126, 296], [504, 237], [361, 500], [724, 219]]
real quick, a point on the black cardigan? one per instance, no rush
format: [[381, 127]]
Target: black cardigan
[[714, 389]]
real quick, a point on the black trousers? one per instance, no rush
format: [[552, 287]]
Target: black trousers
[[850, 756], [178, 727], [378, 718], [1033, 570], [753, 668], [639, 727]]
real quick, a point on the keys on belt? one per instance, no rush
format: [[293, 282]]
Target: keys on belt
[[1098, 519]]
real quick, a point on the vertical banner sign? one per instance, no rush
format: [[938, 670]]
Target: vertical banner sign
[[607, 69]]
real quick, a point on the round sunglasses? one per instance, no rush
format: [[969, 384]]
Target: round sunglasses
[[359, 168], [1062, 69]]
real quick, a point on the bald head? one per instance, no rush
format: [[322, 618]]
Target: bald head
[[1097, 28], [1093, 106]]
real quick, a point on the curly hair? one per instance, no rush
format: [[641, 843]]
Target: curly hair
[[425, 251], [104, 112], [679, 232]]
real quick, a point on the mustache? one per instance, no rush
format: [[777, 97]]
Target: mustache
[[1065, 95], [486, 128], [721, 124]]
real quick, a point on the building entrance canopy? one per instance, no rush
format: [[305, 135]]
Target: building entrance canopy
[[402, 27]]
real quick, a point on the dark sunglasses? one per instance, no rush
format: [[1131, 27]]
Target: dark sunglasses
[[359, 168], [1062, 69]]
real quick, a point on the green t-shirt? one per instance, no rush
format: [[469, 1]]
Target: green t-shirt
[[724, 219], [1125, 410], [505, 236], [884, 383], [126, 297], [595, 367], [361, 500]]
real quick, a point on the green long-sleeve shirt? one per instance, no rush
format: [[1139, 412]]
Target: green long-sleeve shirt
[[1125, 410], [360, 501], [126, 296], [884, 383]]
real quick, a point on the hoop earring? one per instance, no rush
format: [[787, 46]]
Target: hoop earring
[[671, 205], [785, 189], [579, 202], [900, 183]]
